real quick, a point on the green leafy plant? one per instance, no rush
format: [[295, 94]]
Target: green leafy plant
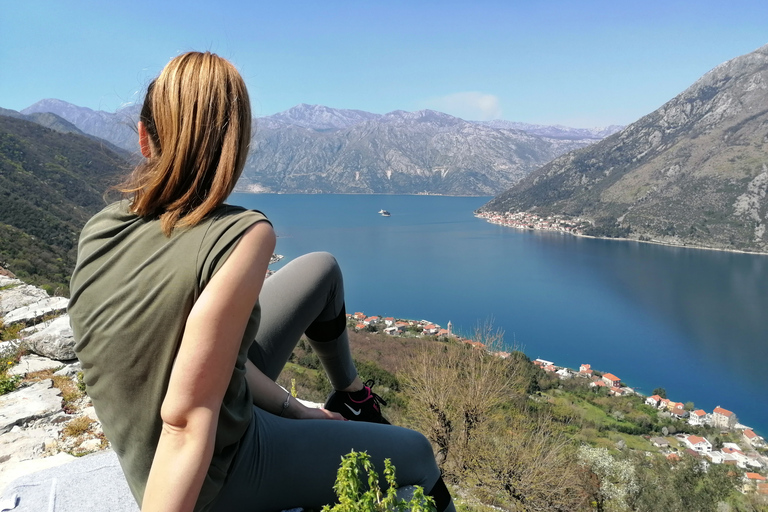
[[8, 383], [8, 358], [351, 490]]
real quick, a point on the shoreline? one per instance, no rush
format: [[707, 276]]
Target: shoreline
[[482, 215], [359, 321]]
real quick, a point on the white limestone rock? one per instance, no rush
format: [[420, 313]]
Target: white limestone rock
[[15, 294], [36, 311], [39, 400], [22, 444], [56, 341], [69, 370], [12, 470], [33, 363]]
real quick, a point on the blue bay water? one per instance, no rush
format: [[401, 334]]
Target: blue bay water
[[694, 322]]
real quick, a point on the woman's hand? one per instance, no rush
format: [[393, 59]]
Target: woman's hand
[[314, 413]]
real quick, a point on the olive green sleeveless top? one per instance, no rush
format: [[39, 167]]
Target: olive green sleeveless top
[[131, 293]]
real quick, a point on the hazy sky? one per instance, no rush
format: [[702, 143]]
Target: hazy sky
[[580, 63]]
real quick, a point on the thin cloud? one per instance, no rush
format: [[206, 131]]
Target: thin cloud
[[471, 105]]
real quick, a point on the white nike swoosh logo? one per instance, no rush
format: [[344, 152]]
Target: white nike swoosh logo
[[356, 413]]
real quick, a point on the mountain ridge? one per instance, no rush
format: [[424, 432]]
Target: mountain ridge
[[693, 172], [318, 149]]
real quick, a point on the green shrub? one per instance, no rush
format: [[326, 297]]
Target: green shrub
[[8, 383], [353, 497]]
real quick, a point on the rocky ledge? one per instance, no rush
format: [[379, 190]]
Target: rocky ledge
[[48, 420]]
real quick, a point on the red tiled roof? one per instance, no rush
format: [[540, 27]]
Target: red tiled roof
[[657, 398], [755, 476], [694, 440], [699, 413], [724, 412], [610, 376], [750, 434]]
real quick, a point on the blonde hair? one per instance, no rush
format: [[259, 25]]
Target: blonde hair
[[198, 118]]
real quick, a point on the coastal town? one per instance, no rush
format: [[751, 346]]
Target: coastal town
[[742, 454], [525, 220], [746, 450]]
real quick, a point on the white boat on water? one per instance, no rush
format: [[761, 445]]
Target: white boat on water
[[384, 213]]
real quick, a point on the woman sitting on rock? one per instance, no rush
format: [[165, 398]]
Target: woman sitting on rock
[[181, 339]]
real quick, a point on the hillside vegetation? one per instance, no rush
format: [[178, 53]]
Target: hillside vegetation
[[50, 184], [510, 436]]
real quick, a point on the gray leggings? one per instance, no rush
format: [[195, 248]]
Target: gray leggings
[[285, 463]]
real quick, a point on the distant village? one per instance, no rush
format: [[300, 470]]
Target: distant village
[[525, 220], [400, 327], [743, 455]]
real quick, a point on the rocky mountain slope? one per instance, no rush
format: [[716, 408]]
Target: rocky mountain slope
[[119, 127], [694, 172], [314, 149], [400, 152]]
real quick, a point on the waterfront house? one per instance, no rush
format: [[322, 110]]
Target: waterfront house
[[611, 380], [698, 418], [731, 451], [659, 442], [431, 329], [597, 382], [751, 481], [723, 418], [698, 444], [752, 438], [586, 369], [389, 321], [653, 401], [679, 413], [359, 316]]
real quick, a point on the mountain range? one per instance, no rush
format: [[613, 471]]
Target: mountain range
[[318, 149], [694, 172]]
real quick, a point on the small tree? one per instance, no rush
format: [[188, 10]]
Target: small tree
[[354, 497], [661, 392], [615, 480]]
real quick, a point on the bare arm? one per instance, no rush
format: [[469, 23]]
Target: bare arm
[[201, 373], [269, 396]]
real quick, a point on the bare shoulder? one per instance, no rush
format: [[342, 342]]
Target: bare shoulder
[[250, 257]]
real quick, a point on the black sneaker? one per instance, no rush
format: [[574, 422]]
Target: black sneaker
[[363, 405]]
